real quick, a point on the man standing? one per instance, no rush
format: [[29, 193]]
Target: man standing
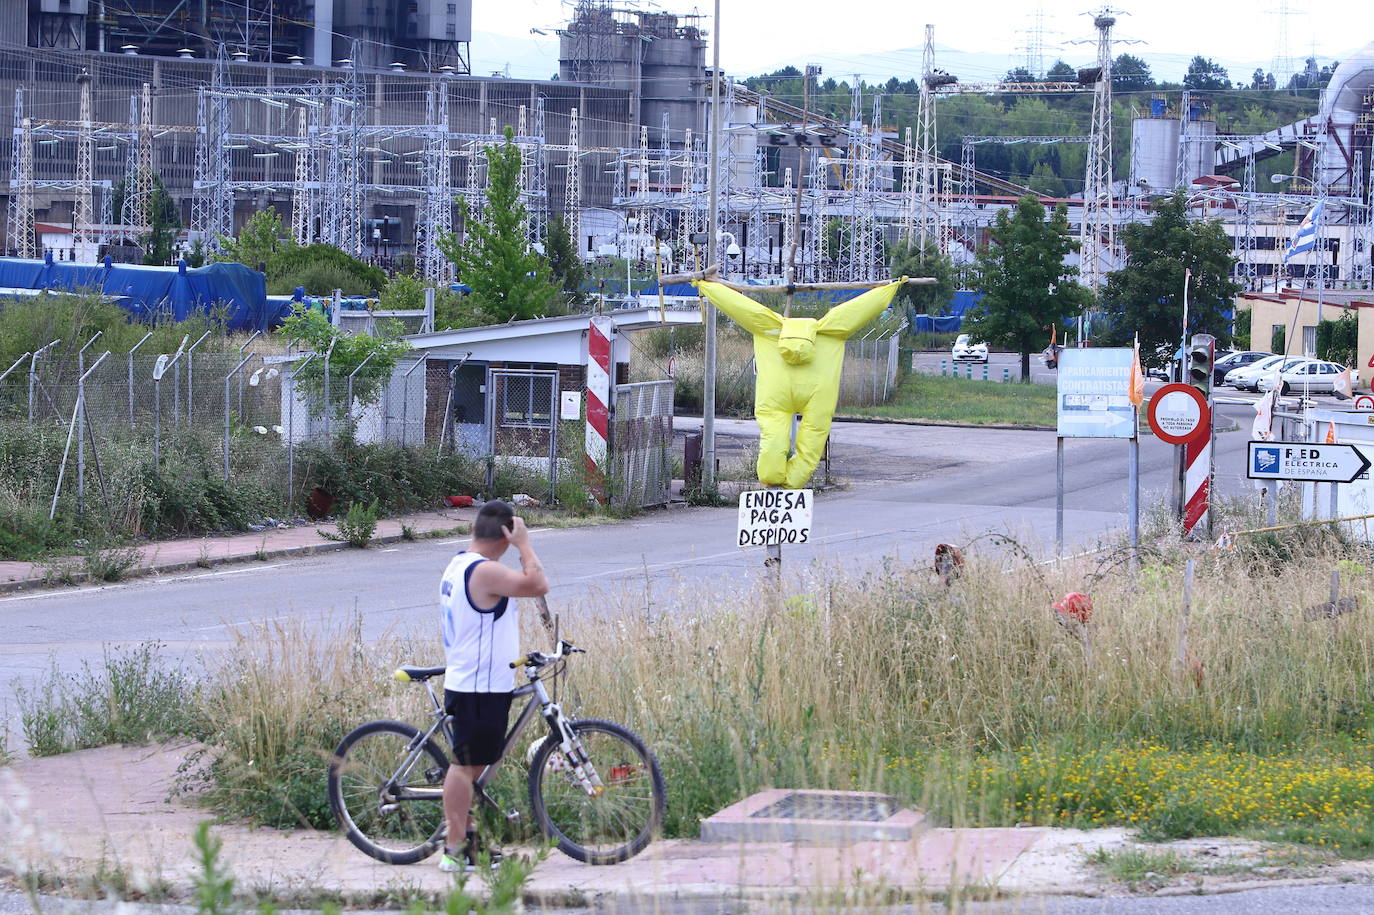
[[481, 638]]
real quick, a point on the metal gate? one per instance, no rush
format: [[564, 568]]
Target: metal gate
[[522, 419], [641, 443]]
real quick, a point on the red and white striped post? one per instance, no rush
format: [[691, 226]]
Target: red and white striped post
[[1197, 485], [599, 335]]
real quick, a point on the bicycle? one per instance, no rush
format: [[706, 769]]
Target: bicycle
[[594, 787]]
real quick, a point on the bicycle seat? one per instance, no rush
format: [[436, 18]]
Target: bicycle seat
[[417, 674]]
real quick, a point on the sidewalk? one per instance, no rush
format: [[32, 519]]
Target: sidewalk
[[272, 543], [111, 811]]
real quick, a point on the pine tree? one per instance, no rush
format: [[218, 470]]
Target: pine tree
[[508, 279]]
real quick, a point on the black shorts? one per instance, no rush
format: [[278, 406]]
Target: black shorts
[[479, 726]]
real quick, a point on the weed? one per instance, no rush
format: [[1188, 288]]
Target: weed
[[1132, 865], [60, 570], [112, 564], [203, 560], [407, 531], [132, 697], [214, 887], [357, 526]]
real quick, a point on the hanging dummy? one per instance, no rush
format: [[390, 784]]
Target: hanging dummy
[[799, 362]]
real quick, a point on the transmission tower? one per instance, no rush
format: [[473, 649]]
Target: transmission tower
[[926, 143], [20, 228], [1035, 42], [572, 203], [1098, 234], [212, 206], [908, 189], [85, 155], [539, 181], [300, 195]]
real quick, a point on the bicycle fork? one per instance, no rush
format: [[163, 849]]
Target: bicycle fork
[[584, 773]]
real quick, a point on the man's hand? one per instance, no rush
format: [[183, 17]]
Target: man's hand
[[517, 535]]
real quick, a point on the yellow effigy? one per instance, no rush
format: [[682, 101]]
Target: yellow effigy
[[799, 362]]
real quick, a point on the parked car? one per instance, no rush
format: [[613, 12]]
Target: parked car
[[965, 350], [1313, 377], [1246, 378], [1230, 361]]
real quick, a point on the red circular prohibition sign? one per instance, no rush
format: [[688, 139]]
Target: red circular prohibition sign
[[1179, 436]]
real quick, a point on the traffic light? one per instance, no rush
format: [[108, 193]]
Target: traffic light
[[1201, 361]]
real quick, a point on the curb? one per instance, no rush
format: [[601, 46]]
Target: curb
[[155, 568], [875, 421]]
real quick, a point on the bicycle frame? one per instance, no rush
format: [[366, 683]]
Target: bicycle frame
[[539, 702]]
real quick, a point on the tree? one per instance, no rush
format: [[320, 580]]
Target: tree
[[347, 353], [1147, 293], [1131, 74], [1203, 73], [321, 269], [1262, 80], [160, 211], [1019, 75], [1026, 286], [507, 278], [1061, 73], [908, 259], [259, 241], [565, 264]]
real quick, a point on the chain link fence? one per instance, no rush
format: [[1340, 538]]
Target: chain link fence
[[135, 429], [870, 369]]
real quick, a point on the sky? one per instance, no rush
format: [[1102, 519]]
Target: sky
[[882, 38]]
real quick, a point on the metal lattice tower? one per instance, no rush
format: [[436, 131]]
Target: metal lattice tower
[[212, 206], [662, 218], [1185, 120], [82, 215], [815, 219], [572, 199], [20, 228], [926, 142], [439, 200], [1361, 226], [539, 180], [300, 195], [133, 214], [908, 190], [758, 220], [1098, 234]]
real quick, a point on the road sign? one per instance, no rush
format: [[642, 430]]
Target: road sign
[[774, 516], [1305, 463], [1094, 393], [1178, 413], [1364, 402]]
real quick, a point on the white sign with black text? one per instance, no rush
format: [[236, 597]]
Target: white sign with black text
[[774, 516]]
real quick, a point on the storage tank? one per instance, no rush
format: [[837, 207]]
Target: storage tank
[[1201, 154], [673, 79], [1154, 154]]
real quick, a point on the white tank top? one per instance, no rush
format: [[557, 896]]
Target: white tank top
[[479, 642]]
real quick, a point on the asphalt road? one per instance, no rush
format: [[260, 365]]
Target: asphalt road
[[910, 488]]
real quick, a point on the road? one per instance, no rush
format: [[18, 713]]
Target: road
[[909, 488]]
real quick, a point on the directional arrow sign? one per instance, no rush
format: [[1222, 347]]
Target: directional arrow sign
[[1302, 462], [1094, 393]]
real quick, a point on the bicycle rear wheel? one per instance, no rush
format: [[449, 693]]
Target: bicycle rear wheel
[[366, 787], [606, 827]]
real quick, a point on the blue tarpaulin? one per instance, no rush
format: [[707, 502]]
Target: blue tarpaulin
[[148, 293]]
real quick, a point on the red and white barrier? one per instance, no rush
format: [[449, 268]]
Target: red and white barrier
[[1197, 485], [598, 402]]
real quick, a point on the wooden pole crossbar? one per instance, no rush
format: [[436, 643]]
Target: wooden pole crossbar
[[712, 274]]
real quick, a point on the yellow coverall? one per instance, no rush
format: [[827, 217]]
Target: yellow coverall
[[799, 362]]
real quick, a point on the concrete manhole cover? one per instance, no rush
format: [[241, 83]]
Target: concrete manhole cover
[[785, 815]]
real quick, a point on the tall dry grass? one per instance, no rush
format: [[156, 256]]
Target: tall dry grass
[[880, 680]]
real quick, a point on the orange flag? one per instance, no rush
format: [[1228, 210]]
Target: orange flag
[[1137, 385]]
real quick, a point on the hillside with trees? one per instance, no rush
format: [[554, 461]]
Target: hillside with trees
[[1241, 104]]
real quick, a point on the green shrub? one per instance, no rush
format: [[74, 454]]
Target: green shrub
[[321, 269], [359, 524], [134, 696]]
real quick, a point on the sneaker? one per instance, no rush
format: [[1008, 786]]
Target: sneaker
[[453, 862]]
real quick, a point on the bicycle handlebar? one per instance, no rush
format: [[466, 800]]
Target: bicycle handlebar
[[538, 659]]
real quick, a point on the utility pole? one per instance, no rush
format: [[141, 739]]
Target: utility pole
[[708, 311]]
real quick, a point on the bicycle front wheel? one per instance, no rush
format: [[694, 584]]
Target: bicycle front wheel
[[608, 825], [385, 797]]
